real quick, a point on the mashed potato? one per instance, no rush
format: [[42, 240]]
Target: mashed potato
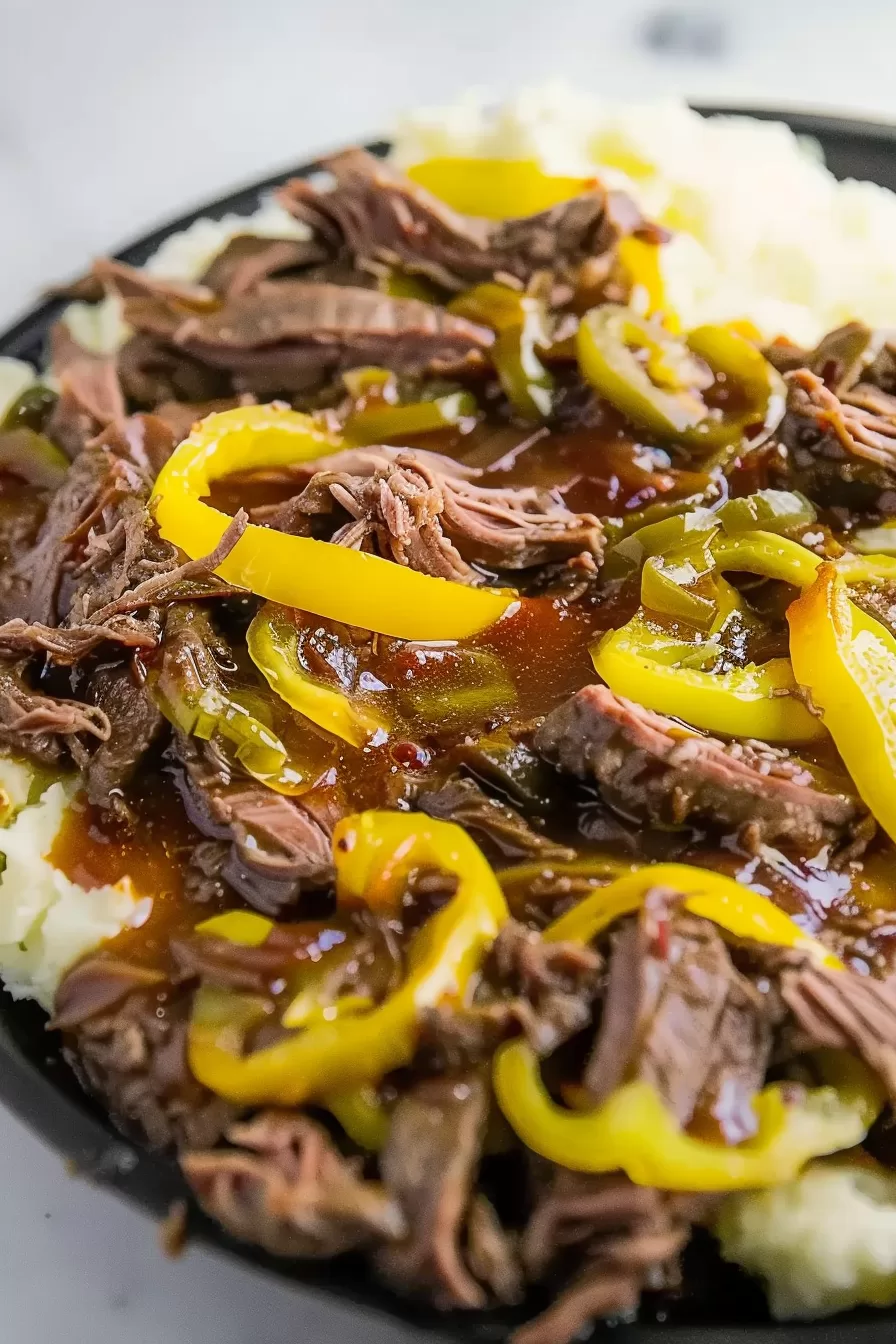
[[46, 920], [15, 377], [822, 1243], [763, 230]]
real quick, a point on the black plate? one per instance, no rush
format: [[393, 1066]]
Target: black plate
[[37, 1085]]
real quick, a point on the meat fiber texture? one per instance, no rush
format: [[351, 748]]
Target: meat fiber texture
[[47, 921], [822, 1244]]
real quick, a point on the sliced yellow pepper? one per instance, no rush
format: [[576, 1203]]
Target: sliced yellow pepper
[[753, 701], [519, 323], [271, 640], [334, 581], [362, 1115], [848, 662], [632, 1130], [640, 261], [238, 926], [375, 852], [495, 188], [736, 909]]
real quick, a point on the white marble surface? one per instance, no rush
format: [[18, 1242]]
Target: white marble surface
[[114, 115]]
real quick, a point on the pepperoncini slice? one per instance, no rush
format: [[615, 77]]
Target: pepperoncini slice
[[633, 1131], [646, 665], [379, 424], [495, 188], [847, 660], [362, 1115], [519, 323], [736, 909], [271, 640], [657, 379], [766, 511], [375, 853], [333, 581], [640, 260]]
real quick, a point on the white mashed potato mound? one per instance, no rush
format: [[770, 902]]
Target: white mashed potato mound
[[47, 921], [763, 230], [15, 378], [821, 1244]]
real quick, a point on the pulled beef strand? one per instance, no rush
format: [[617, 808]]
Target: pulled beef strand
[[376, 219], [42, 726], [651, 768], [292, 335], [284, 1185], [416, 510], [498, 825], [839, 451]]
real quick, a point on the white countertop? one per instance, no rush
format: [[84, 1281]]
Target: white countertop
[[114, 116]]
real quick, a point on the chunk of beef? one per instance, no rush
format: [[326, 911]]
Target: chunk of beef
[[649, 767], [380, 221], [415, 509], [284, 1186], [153, 371], [840, 451], [501, 827], [41, 726], [277, 850], [623, 1239], [133, 282], [290, 335], [135, 724], [429, 1166], [543, 990], [247, 260], [678, 1015], [90, 395], [126, 1034], [29, 588], [145, 440], [842, 1010]]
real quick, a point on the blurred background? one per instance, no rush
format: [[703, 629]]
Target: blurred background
[[114, 116]]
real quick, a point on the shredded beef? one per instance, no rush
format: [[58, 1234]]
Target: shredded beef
[[678, 1015], [90, 395], [840, 451], [284, 1186], [277, 850], [543, 990], [378, 220], [288, 336], [247, 260], [415, 509], [501, 827], [842, 1010], [41, 726], [145, 440], [126, 1031], [625, 1239], [135, 724], [29, 588], [651, 768], [429, 1167]]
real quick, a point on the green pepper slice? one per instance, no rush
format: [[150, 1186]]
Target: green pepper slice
[[519, 323], [657, 379]]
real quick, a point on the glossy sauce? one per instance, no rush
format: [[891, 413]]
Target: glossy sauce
[[541, 652]]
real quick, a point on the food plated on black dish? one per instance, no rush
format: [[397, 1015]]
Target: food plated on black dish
[[447, 661]]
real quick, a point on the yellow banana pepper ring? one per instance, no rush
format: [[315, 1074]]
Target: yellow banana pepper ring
[[495, 188], [374, 853], [633, 1131], [332, 581], [271, 640], [736, 909], [848, 662], [753, 701]]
